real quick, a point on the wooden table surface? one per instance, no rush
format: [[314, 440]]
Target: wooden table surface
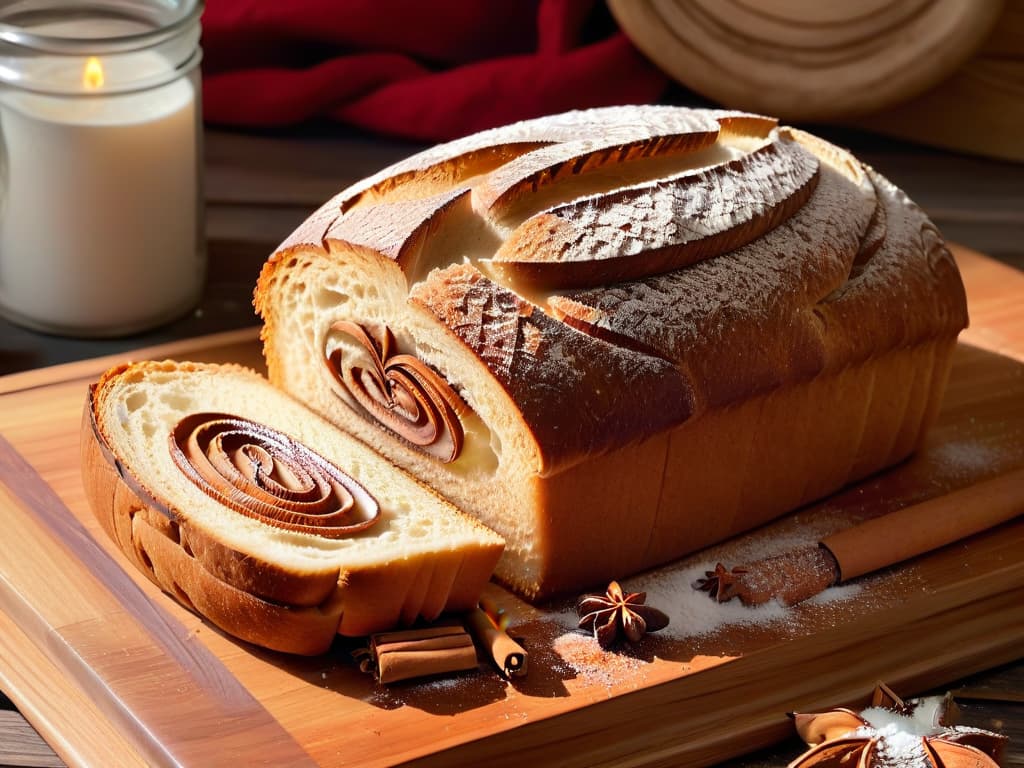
[[260, 186]]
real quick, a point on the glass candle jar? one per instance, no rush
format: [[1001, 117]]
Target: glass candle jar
[[101, 226]]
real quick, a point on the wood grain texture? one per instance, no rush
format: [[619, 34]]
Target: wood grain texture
[[61, 712], [100, 626], [807, 61], [989, 87], [66, 636], [21, 745]]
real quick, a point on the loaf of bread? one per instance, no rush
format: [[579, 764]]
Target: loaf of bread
[[619, 335], [264, 518]]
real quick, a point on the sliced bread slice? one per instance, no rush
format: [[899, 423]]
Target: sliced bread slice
[[264, 518]]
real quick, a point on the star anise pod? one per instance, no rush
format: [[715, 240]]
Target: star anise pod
[[720, 583], [895, 734], [617, 614]]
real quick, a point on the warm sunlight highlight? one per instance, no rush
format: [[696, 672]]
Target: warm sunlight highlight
[[92, 75]]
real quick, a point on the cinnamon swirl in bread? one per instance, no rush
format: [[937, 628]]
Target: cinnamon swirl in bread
[[264, 518], [618, 335]]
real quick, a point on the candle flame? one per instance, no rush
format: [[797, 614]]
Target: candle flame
[[92, 75]]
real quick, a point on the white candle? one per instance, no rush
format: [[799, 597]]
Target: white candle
[[99, 222]]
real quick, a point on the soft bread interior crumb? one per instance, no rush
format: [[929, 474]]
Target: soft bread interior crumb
[[500, 457]]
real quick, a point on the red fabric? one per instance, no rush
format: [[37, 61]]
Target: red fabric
[[411, 68]]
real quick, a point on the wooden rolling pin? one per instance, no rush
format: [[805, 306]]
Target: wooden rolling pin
[[883, 541]]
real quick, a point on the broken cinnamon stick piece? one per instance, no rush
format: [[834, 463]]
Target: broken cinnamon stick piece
[[509, 656], [422, 652], [794, 576], [790, 577]]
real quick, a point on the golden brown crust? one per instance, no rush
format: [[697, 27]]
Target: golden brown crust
[[734, 468], [824, 283], [629, 236], [291, 629], [499, 191], [579, 395], [452, 164]]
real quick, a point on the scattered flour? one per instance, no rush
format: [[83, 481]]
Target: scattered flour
[[898, 748], [886, 721], [563, 651], [592, 664], [966, 458], [693, 613], [836, 594]]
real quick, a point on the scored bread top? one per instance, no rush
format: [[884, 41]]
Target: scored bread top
[[618, 270]]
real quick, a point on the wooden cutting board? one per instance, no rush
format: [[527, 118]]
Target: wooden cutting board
[[112, 672]]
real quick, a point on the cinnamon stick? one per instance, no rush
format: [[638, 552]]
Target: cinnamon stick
[[802, 573], [509, 656], [422, 652], [929, 525]]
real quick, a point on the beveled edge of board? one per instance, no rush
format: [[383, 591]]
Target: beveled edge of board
[[184, 666]]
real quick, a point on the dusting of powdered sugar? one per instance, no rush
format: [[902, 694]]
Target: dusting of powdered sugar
[[685, 314], [966, 458], [693, 614], [836, 594], [698, 625], [591, 665]]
